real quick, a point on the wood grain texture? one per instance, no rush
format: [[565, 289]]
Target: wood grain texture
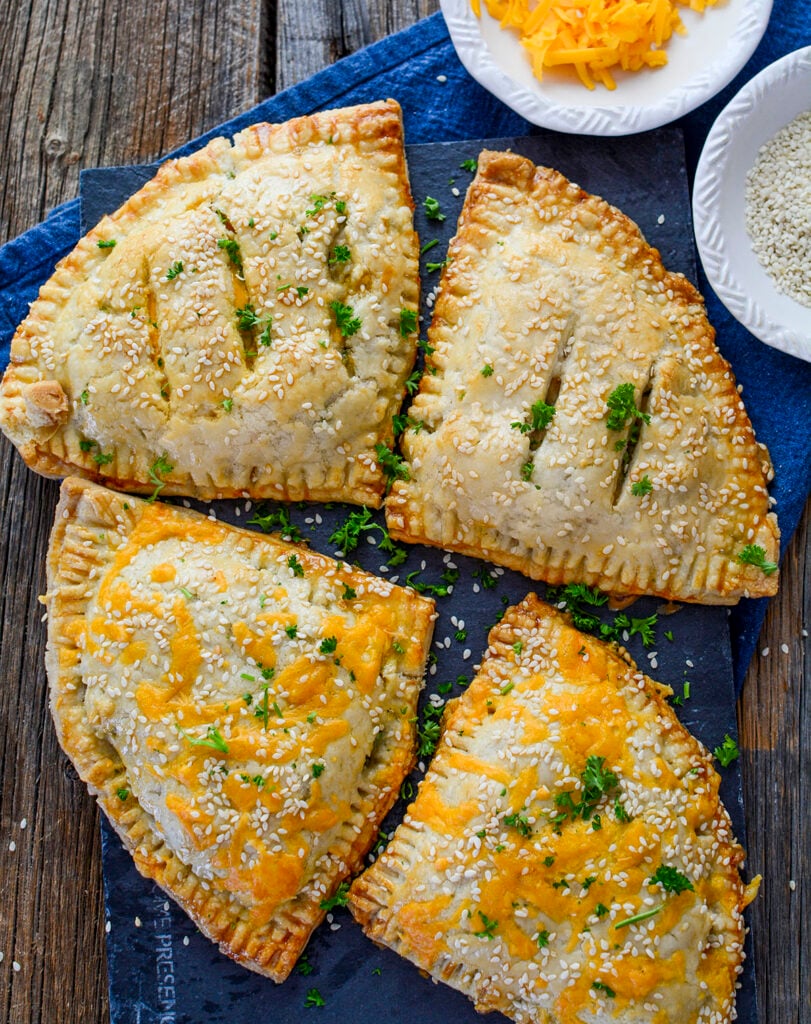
[[88, 83]]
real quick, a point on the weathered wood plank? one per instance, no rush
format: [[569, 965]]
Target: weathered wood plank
[[84, 83], [99, 82], [312, 35], [775, 730]]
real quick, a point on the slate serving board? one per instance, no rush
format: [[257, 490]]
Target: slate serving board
[[161, 969]]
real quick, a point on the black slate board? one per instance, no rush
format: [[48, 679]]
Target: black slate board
[[161, 969]]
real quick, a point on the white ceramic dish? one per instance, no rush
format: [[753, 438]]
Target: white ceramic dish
[[765, 104], [700, 64]]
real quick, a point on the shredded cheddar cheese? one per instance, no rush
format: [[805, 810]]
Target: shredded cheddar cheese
[[593, 36]]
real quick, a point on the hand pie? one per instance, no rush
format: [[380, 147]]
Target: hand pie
[[577, 422], [567, 858], [242, 708], [243, 326]]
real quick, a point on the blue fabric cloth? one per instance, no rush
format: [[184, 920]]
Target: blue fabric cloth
[[777, 388]]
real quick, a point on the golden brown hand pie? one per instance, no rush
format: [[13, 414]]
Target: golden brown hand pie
[[248, 319], [577, 422], [242, 708], [567, 859]]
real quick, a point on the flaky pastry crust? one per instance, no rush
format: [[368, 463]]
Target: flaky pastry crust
[[550, 307], [243, 709], [567, 859], [247, 319]]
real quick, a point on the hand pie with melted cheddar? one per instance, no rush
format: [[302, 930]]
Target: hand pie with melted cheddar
[[243, 709], [577, 422], [243, 326], [567, 859]]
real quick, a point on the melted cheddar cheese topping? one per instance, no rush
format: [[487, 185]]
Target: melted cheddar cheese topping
[[567, 853], [245, 694]]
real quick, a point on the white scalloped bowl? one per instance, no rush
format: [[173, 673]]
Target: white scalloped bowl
[[716, 47], [763, 106]]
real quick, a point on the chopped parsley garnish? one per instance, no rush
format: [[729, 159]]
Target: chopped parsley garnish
[[408, 322], [338, 899], [160, 465], [349, 593], [314, 998], [469, 165], [542, 939], [340, 207], [317, 770], [328, 645], [108, 243], [280, 519], [518, 646], [754, 554], [597, 781], [319, 202], [488, 930], [642, 487], [619, 811], [604, 988], [601, 910], [727, 752], [449, 577], [429, 245], [340, 254], [397, 647], [213, 738], [526, 470], [175, 270], [227, 404], [671, 879], [486, 578], [622, 407], [246, 317], [295, 565], [432, 211], [540, 417], [122, 793], [643, 916], [231, 246], [392, 464], [460, 635], [486, 370], [84, 396], [520, 822], [304, 966], [430, 732], [413, 382], [291, 631], [347, 536], [345, 319], [578, 599], [589, 882], [102, 458]]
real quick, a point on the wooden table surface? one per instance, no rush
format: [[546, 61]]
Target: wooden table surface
[[88, 83]]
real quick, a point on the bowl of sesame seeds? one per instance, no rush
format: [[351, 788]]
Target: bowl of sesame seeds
[[752, 205]]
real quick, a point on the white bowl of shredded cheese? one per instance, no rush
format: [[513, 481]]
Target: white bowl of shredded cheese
[[754, 169], [716, 45]]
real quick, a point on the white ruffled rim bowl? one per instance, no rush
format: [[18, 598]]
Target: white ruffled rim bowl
[[717, 45], [764, 105]]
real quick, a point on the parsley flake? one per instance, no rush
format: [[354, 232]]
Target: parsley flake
[[213, 738], [314, 998], [160, 465], [108, 243], [540, 417], [175, 270], [392, 464], [318, 770], [408, 322], [432, 211], [754, 554], [469, 165], [727, 752], [671, 879], [345, 319], [328, 645], [338, 899], [295, 565], [340, 254], [642, 487], [489, 926]]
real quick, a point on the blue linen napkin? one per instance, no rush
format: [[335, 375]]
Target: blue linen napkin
[[406, 66]]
